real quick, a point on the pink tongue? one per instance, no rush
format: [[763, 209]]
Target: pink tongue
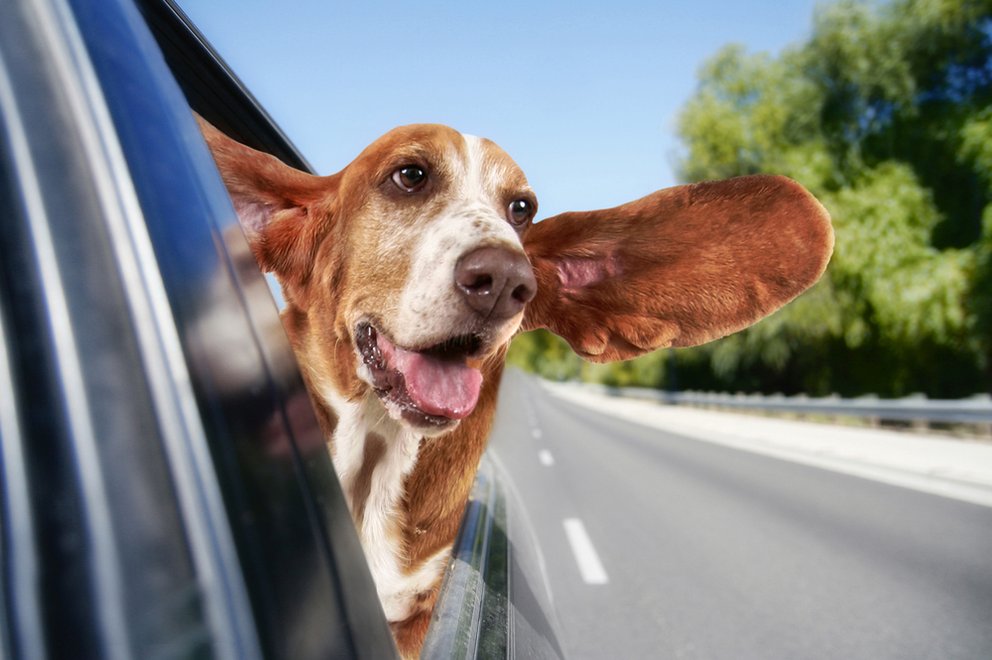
[[438, 387]]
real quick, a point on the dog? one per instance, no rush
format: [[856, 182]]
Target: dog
[[407, 273]]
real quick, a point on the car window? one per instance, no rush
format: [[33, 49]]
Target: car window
[[294, 538], [200, 429], [93, 537]]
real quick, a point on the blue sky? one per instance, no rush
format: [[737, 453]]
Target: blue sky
[[583, 96]]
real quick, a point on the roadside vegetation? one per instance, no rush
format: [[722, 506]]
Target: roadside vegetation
[[885, 114]]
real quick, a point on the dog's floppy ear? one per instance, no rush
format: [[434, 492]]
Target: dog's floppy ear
[[274, 202], [679, 267]]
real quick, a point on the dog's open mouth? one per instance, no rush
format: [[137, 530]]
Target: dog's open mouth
[[433, 386]]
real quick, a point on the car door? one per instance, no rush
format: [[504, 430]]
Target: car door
[[165, 489]]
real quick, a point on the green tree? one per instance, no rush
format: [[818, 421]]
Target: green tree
[[545, 354], [884, 114]]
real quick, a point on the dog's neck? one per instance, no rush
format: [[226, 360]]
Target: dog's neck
[[373, 456], [406, 492]]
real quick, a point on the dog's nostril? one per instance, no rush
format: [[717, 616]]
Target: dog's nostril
[[481, 284], [524, 293]]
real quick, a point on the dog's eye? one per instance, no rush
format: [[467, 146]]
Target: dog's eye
[[410, 178], [519, 211]]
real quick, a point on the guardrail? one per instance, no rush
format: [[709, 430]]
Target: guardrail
[[918, 408]]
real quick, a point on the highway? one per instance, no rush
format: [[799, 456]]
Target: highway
[[660, 546]]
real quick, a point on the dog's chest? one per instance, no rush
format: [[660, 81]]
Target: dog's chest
[[372, 456]]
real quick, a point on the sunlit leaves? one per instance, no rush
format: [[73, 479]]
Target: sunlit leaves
[[885, 114]]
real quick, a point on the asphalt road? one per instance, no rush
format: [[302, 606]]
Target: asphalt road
[[709, 552]]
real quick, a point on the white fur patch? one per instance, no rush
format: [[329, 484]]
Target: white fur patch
[[402, 594], [348, 442], [430, 307], [380, 532]]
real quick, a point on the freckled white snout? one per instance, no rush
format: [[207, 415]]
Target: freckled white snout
[[495, 282]]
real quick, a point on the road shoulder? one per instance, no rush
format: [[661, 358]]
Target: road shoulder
[[950, 468]]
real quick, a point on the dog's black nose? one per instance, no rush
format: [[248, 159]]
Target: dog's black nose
[[495, 282]]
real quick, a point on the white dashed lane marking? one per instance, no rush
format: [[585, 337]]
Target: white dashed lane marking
[[546, 458], [590, 566]]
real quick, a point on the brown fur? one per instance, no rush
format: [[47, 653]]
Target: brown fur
[[679, 267], [696, 263], [375, 448]]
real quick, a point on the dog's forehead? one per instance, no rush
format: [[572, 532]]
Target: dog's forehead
[[466, 157], [490, 166], [418, 140]]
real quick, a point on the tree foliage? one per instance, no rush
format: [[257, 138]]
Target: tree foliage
[[885, 114]]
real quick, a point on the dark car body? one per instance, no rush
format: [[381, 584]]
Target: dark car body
[[166, 491]]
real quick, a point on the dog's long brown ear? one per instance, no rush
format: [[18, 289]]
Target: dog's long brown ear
[[274, 202], [676, 268]]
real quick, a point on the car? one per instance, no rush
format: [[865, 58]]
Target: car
[[166, 491]]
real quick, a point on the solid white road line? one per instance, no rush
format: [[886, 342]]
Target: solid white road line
[[546, 458], [590, 566]]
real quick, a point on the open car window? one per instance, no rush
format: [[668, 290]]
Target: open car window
[[177, 496]]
